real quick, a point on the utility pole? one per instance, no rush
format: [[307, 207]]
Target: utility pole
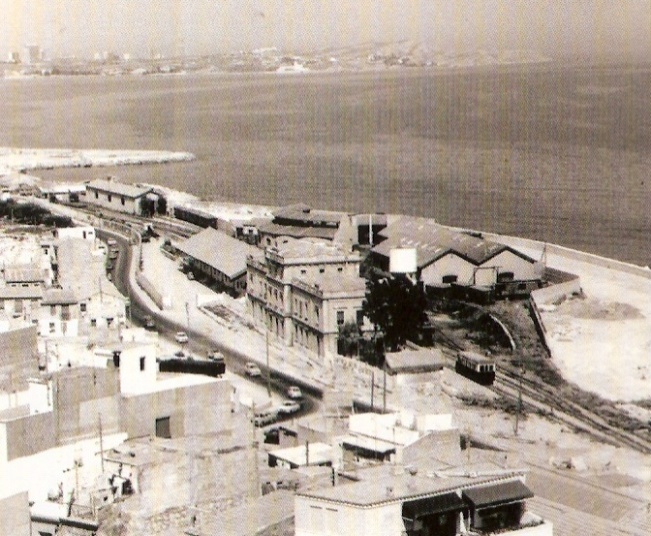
[[101, 441], [519, 410]]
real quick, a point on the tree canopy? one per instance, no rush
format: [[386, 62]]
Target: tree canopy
[[397, 306]]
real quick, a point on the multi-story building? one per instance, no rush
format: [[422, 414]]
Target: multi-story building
[[304, 290]]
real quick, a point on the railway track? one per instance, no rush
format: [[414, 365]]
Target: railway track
[[545, 399]]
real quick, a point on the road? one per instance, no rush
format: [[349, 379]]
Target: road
[[199, 345]]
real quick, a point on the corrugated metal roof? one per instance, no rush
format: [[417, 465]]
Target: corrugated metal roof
[[118, 188], [219, 250], [438, 504], [513, 490]]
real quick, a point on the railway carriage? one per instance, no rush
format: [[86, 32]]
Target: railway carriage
[[476, 367]]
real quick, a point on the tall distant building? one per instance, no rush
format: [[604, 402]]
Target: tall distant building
[[32, 53]]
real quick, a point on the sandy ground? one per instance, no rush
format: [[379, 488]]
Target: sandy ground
[[602, 341]]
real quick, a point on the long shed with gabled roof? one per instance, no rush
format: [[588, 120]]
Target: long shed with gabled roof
[[445, 257], [220, 257], [115, 195]]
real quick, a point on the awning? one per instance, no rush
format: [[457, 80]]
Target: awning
[[412, 510], [505, 492], [369, 443]]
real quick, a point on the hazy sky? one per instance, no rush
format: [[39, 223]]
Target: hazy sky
[[601, 28]]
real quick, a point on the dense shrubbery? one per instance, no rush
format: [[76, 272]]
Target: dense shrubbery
[[32, 214]]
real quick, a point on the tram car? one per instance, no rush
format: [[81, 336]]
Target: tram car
[[476, 367]]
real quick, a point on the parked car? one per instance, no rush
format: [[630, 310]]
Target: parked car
[[288, 407], [191, 276], [112, 242], [149, 323], [113, 254], [180, 354], [294, 392], [252, 370], [215, 355], [181, 337], [264, 417]]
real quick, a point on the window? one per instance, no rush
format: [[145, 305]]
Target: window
[[340, 269], [96, 194], [109, 197], [52, 327], [53, 310], [505, 276], [303, 271], [340, 318], [360, 317], [142, 364], [109, 321], [448, 279], [122, 200], [93, 322], [321, 270], [163, 428], [82, 307]]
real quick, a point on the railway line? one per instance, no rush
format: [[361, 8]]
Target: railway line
[[509, 383], [545, 399]]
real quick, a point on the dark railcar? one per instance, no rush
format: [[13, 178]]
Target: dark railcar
[[196, 217], [189, 366], [476, 367]]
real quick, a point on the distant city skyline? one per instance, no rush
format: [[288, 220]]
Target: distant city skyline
[[577, 28]]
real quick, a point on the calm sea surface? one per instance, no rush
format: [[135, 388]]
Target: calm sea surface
[[556, 154]]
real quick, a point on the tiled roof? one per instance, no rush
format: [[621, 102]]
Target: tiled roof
[[398, 488], [118, 188], [415, 360], [513, 490], [304, 213], [16, 293], [294, 231], [59, 296], [432, 241], [220, 251], [23, 274]]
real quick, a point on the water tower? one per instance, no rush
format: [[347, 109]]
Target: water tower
[[404, 261]]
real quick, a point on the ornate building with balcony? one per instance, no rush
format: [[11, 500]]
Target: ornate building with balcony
[[304, 291]]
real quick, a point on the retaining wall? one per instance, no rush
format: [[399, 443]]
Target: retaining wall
[[163, 302]]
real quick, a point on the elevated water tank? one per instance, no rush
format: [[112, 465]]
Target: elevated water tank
[[403, 261]]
